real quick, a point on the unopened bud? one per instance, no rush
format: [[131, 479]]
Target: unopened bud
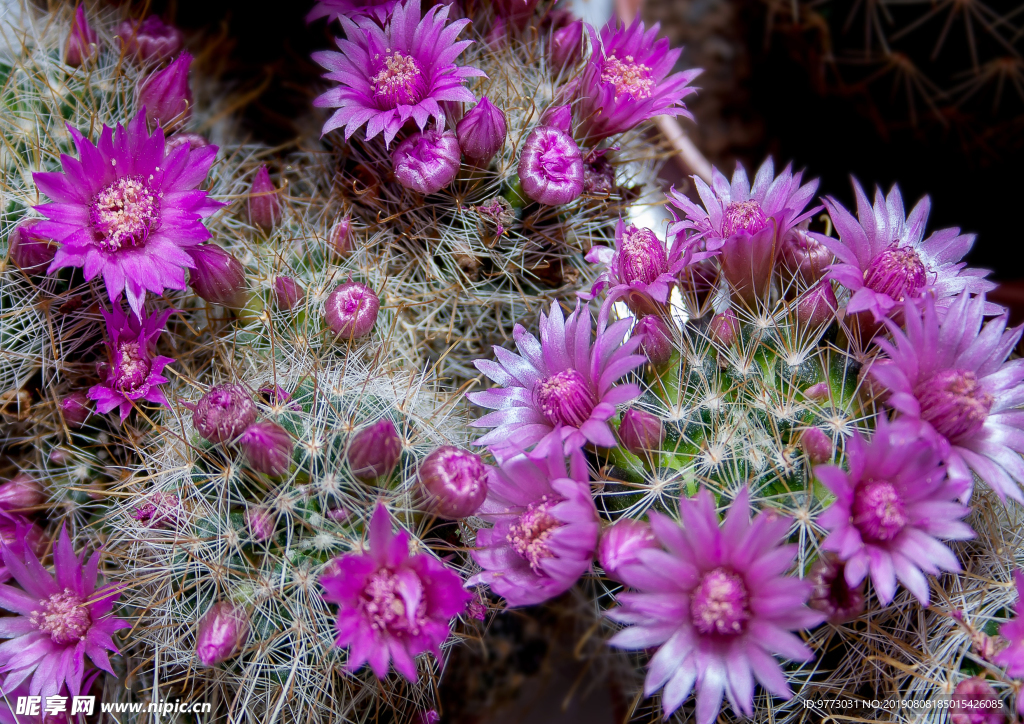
[[287, 292], [559, 117], [481, 132], [83, 43], [75, 409], [817, 307], [374, 451], [260, 523], [427, 161], [455, 482], [566, 46], [223, 413], [724, 329], [21, 492], [621, 544], [551, 167], [351, 310], [804, 255], [641, 432], [222, 633], [149, 39], [218, 277], [341, 236], [264, 204], [191, 141], [166, 95], [974, 701], [817, 445], [30, 252], [657, 342], [268, 448]]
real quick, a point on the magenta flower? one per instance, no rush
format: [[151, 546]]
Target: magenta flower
[[561, 386], [627, 81], [954, 375], [745, 223], [391, 74], [1012, 656], [892, 508], [126, 211], [392, 606], [17, 532], [545, 526], [718, 606], [82, 43], [883, 260], [337, 9], [132, 372], [59, 620]]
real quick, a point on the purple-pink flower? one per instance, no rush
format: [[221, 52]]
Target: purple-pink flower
[[59, 620], [1011, 657], [718, 606], [388, 75], [627, 81], [884, 259], [893, 508], [954, 375], [126, 211], [545, 526], [392, 605], [131, 372], [562, 386]]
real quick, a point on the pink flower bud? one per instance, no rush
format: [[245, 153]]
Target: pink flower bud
[[21, 492], [264, 204], [748, 255], [641, 432], [374, 451], [976, 702], [341, 236], [551, 167], [621, 544], [817, 306], [29, 252], [566, 46], [338, 515], [149, 39], [657, 343], [455, 482], [481, 132], [351, 310], [59, 456], [166, 94], [817, 445], [268, 448], [287, 292], [260, 523], [427, 161], [559, 117], [222, 633], [832, 595], [218, 277], [188, 140], [75, 409], [83, 43], [804, 255], [224, 413], [819, 391], [724, 329]]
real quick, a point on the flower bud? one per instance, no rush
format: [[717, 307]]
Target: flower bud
[[268, 448], [83, 43], [287, 292], [223, 413], [264, 205], [427, 161], [166, 94], [657, 343], [817, 446], [641, 432], [559, 117], [724, 329], [59, 456], [161, 510], [338, 515], [817, 306], [621, 543], [75, 409], [481, 132], [974, 701], [341, 236], [832, 595], [517, 12], [551, 167], [18, 534], [218, 277], [566, 46], [149, 39], [21, 492], [191, 141], [455, 482], [374, 451], [804, 255], [351, 310], [29, 252], [260, 523], [222, 633], [818, 391]]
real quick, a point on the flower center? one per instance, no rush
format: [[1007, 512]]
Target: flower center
[[743, 217], [720, 604], [565, 399], [63, 616], [386, 608], [132, 366], [628, 76], [399, 80], [878, 511], [529, 534], [642, 256], [124, 213], [897, 272], [954, 402]]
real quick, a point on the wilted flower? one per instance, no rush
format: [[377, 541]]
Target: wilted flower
[[561, 386], [149, 39], [656, 339], [551, 167], [75, 409], [717, 605], [627, 81], [641, 432], [392, 606], [374, 451], [545, 526], [268, 448], [833, 596], [27, 250], [1011, 657], [566, 46], [351, 310], [132, 372], [59, 620], [287, 292], [389, 75], [482, 131], [223, 413], [21, 493], [166, 95], [975, 702], [455, 482], [82, 43], [892, 508], [222, 633], [427, 162], [127, 212], [621, 544], [217, 276], [264, 205]]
